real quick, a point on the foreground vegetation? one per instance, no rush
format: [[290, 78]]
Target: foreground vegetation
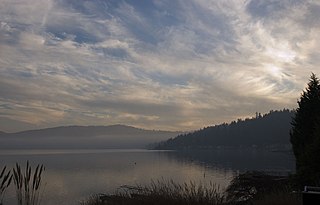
[[161, 192], [27, 183], [251, 188]]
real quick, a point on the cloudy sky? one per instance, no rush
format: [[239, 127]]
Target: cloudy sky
[[156, 64]]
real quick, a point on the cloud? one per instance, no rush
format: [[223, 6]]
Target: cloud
[[177, 65]]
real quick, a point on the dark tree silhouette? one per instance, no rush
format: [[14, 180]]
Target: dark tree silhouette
[[305, 134], [268, 130]]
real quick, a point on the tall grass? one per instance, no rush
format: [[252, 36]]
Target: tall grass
[[162, 192], [250, 188], [28, 184], [5, 180], [252, 185]]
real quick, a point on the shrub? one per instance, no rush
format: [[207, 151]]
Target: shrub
[[252, 185]]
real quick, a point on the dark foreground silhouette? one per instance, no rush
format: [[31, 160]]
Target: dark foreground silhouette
[[255, 188]]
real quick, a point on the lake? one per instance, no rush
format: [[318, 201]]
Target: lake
[[73, 175]]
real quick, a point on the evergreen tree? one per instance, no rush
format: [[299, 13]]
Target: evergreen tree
[[305, 136], [268, 130]]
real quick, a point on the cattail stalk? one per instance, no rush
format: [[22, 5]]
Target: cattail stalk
[[5, 181], [28, 185]]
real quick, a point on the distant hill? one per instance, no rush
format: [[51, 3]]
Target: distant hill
[[83, 137], [270, 130]]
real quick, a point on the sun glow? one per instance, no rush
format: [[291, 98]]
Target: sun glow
[[274, 70], [282, 53], [285, 56]]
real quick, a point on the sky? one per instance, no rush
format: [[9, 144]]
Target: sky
[[154, 64]]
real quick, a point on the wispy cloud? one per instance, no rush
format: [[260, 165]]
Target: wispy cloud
[[176, 65]]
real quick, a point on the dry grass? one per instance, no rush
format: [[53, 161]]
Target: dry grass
[[162, 193], [156, 198], [5, 181], [28, 184], [251, 188]]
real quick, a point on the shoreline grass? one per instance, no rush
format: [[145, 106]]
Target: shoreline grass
[[5, 181], [250, 188], [162, 192], [28, 184]]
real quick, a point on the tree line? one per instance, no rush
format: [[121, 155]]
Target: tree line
[[268, 130]]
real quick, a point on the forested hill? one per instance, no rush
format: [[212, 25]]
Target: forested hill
[[269, 130]]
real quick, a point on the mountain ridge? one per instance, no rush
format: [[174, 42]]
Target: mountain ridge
[[74, 136], [83, 127]]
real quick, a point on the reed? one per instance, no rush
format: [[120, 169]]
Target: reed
[[162, 192], [28, 184], [250, 188], [5, 180]]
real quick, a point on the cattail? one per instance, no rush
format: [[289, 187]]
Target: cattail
[[5, 181], [28, 185]]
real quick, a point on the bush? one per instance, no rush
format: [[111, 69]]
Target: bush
[[252, 185]]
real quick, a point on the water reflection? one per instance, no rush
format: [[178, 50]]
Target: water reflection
[[239, 160], [72, 175]]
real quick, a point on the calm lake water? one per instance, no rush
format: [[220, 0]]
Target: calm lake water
[[73, 175]]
